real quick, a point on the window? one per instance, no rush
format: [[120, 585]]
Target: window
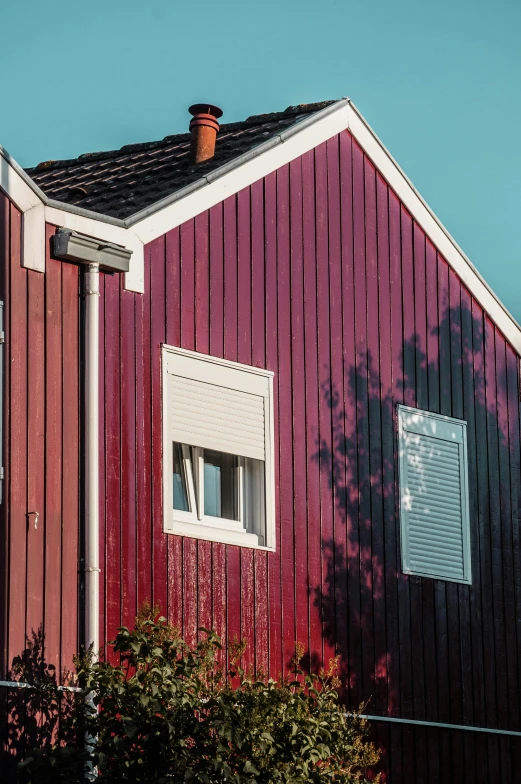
[[218, 449], [434, 508]]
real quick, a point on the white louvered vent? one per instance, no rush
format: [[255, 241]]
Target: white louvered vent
[[434, 495], [214, 417]]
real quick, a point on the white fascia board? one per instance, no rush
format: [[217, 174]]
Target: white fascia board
[[33, 238], [253, 169], [13, 181], [434, 229]]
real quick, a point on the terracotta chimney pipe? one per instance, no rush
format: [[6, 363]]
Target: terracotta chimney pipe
[[204, 128]]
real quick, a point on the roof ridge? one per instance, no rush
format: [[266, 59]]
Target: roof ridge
[[252, 120]]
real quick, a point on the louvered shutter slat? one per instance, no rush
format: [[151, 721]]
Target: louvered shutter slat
[[435, 538], [437, 526], [434, 495], [445, 474]]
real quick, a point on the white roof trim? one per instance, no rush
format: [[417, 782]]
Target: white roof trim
[[37, 210], [165, 215], [17, 184], [433, 227]]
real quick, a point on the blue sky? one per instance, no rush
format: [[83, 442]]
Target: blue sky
[[438, 81]]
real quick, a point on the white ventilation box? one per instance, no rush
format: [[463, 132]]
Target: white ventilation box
[[434, 505]]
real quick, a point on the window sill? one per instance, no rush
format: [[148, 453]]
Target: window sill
[[215, 533], [432, 576]]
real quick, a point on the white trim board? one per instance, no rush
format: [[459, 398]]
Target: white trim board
[[434, 229], [167, 214]]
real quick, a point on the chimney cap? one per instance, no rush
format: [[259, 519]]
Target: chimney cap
[[205, 108]]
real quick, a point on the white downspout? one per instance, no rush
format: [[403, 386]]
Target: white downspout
[[92, 570], [72, 246]]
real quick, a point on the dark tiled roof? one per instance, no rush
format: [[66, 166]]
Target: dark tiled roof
[[122, 182]]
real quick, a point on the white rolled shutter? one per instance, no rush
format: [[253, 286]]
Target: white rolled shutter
[[217, 407], [214, 417], [434, 495]]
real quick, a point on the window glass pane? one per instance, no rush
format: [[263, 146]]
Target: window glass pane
[[254, 501], [180, 494], [220, 485]]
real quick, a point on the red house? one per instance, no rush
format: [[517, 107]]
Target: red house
[[291, 413]]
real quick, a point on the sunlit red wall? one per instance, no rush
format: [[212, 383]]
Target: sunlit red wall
[[39, 553]]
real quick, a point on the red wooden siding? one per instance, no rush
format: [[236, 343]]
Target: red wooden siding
[[318, 273], [41, 461]]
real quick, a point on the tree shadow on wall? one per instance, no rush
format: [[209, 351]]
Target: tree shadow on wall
[[383, 625], [360, 477], [32, 715]]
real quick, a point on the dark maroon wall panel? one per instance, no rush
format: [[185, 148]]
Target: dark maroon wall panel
[[41, 459], [319, 273]]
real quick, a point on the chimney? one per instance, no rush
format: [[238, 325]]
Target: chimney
[[204, 128]]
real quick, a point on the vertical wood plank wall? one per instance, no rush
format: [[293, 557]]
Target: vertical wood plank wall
[[39, 571], [319, 273]]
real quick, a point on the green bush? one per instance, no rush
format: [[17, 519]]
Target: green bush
[[170, 713]]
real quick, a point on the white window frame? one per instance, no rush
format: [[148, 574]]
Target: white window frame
[[405, 412], [194, 523]]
